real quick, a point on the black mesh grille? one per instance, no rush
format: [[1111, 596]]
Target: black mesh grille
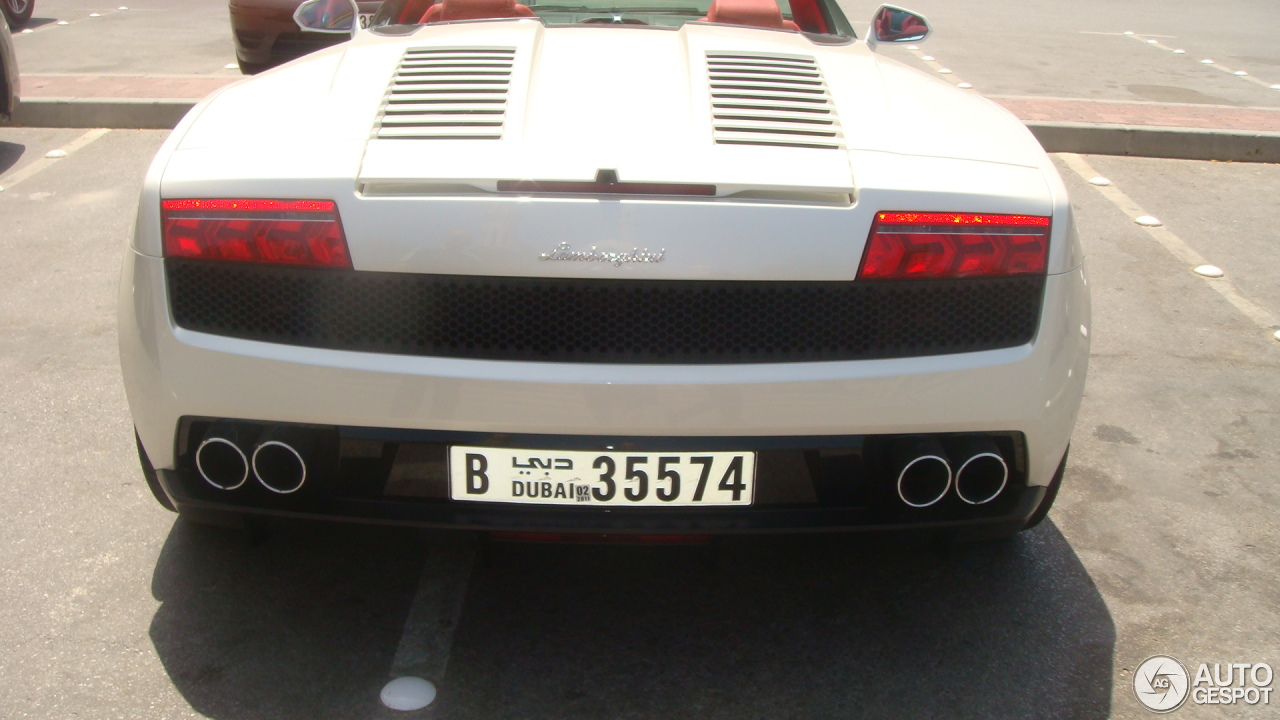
[[611, 321]]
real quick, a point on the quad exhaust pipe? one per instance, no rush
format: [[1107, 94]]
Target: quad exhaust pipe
[[924, 471], [219, 458], [984, 475], [278, 460], [924, 475]]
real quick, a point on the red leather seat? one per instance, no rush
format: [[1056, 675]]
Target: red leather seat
[[475, 10], [413, 12], [752, 13]]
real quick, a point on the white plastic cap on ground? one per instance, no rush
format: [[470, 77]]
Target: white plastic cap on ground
[[407, 694]]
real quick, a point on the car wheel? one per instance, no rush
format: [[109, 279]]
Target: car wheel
[[17, 12], [149, 471], [252, 68]]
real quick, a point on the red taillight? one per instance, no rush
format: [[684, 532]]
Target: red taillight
[[945, 245], [281, 232]]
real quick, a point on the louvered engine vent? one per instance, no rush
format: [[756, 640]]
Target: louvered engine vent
[[448, 94], [771, 100]]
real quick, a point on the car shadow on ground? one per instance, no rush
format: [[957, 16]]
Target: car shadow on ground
[[10, 154], [306, 625], [32, 24]]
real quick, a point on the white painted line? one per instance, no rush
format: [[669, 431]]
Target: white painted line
[[427, 638], [1243, 75], [51, 159], [938, 67], [1174, 244], [63, 23]]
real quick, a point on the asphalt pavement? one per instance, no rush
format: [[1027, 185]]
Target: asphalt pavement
[[1181, 79]]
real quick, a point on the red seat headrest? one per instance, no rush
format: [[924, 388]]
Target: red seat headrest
[[752, 13], [475, 10]]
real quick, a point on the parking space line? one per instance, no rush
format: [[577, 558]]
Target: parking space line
[[427, 638], [7, 182], [938, 67], [1174, 244], [1243, 75], [54, 25]]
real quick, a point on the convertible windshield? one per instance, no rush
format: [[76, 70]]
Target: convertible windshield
[[821, 17]]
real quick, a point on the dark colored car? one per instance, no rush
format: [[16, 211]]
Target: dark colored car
[[17, 12], [265, 34], [8, 74]]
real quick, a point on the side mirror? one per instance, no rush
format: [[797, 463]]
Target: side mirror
[[894, 24], [328, 16]]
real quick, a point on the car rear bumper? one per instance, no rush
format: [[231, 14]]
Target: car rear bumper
[[515, 519], [1029, 393]]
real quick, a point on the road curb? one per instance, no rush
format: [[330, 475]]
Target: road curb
[[115, 113], [1160, 142], [1083, 138]]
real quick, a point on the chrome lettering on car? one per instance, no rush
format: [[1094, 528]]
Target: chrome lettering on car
[[565, 252]]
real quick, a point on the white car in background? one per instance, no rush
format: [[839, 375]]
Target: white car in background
[[649, 268]]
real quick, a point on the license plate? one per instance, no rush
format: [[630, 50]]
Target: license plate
[[612, 479]]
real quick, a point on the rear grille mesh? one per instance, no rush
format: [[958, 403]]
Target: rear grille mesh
[[448, 94], [771, 100], [603, 321]]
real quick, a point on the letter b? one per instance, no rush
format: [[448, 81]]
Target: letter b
[[477, 481]]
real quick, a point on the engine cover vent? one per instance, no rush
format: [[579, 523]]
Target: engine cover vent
[[776, 100], [448, 94]]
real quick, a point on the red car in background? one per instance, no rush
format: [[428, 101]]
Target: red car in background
[[8, 72], [17, 12], [265, 34]]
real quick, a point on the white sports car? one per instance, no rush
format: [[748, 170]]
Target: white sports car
[[658, 268]]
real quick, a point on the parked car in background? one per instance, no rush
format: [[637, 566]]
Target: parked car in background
[[17, 12], [8, 74], [265, 34]]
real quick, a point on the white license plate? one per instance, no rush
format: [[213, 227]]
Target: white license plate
[[613, 479]]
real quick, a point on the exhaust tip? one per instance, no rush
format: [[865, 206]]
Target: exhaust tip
[[982, 478], [279, 467], [924, 481], [221, 462]]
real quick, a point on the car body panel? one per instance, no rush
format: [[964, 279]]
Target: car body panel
[[167, 372], [327, 108]]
